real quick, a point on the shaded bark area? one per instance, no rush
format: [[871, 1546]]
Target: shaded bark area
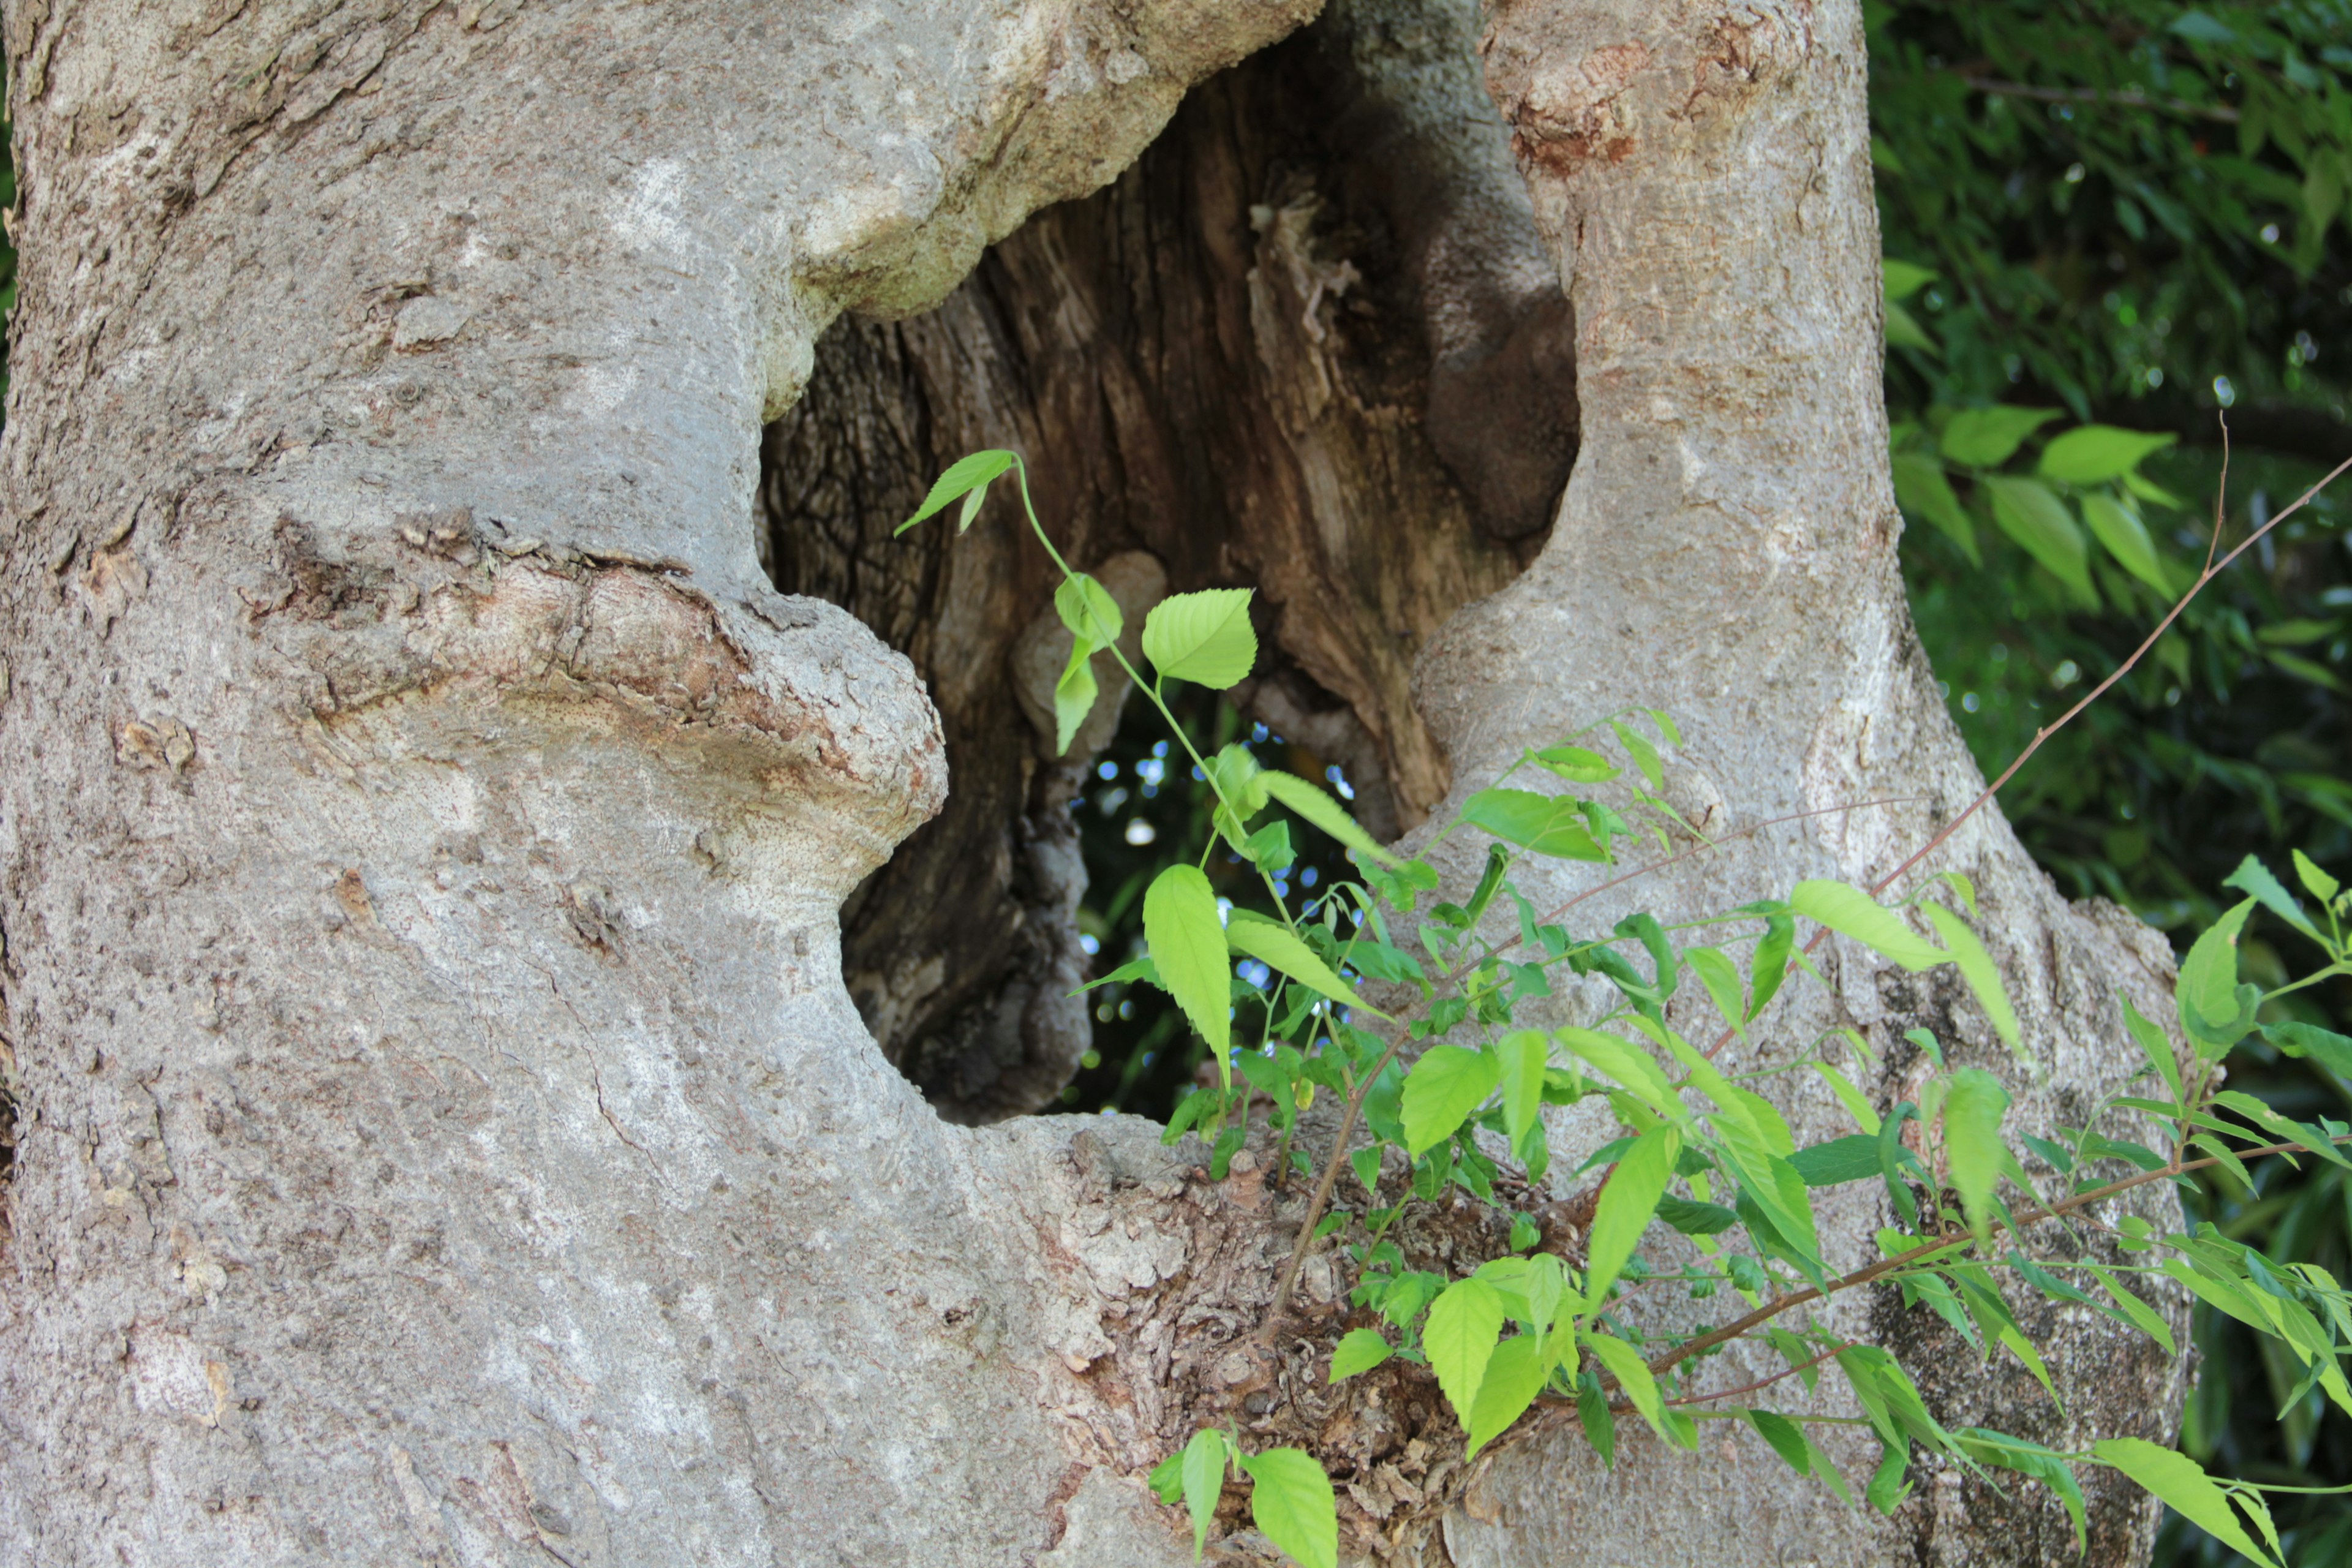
[[1309, 343]]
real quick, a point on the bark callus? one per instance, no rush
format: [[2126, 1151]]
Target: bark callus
[[1311, 343]]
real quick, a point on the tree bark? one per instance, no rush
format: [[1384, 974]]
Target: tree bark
[[446, 1134]]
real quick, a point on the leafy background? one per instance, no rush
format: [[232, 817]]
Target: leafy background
[[2127, 213]]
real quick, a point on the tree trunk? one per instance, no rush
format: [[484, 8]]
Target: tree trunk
[[445, 1131]]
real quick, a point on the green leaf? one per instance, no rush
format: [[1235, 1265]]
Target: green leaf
[[2330, 1049], [2182, 1484], [1904, 278], [1359, 1350], [1633, 1069], [1769, 965], [1922, 488], [1973, 1106], [1203, 1471], [965, 476], [2141, 1316], [1853, 1157], [1523, 1054], [2315, 882], [1074, 695], [1695, 1218], [1988, 438], [1578, 765], [1465, 1322], [1204, 638], [1515, 1375], [1592, 1411], [2153, 1045], [2029, 513], [1786, 1438], [1292, 1505], [1086, 607], [1850, 912], [1979, 970], [2212, 1013], [1667, 729], [1273, 944], [1645, 757], [2094, 454], [1627, 1204], [2253, 877], [1904, 330], [1624, 1363], [1549, 825], [2029, 1458], [1188, 948], [2119, 529], [1441, 1091], [1309, 801], [1721, 977]]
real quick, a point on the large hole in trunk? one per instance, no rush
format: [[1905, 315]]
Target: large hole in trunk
[[1308, 345]]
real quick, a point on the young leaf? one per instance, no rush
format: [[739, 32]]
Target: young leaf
[[966, 475], [1645, 757], [1291, 1503], [1627, 1204], [1769, 965], [1523, 1054], [1721, 977], [2213, 1013], [1979, 970], [1972, 1112], [2029, 513], [1624, 1363], [1464, 1323], [2315, 882], [1204, 638], [2119, 529], [1850, 912], [2253, 877], [1188, 948], [2182, 1485], [1549, 825], [1515, 1375], [1445, 1087], [1074, 695], [2153, 1045], [1086, 607], [2094, 454], [1309, 801], [1667, 729], [1256, 937], [1987, 437], [1578, 765], [1205, 1481], [1359, 1350], [1633, 1068], [2142, 1316]]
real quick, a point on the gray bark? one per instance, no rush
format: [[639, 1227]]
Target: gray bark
[[444, 1133]]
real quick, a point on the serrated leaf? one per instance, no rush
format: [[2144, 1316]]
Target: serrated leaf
[[1785, 1436], [2094, 454], [1359, 1350], [2330, 1049], [1988, 438], [1631, 1067], [2029, 513], [2255, 878], [2029, 1458], [1204, 638], [1548, 824], [1850, 912], [964, 476], [1188, 948], [1522, 1055], [1770, 965], [1086, 607], [1459, 1335], [2119, 530], [2315, 882], [1578, 765], [1276, 946], [1627, 1206], [1203, 1474], [1922, 490], [1309, 801], [2142, 1316], [1074, 695], [1441, 1091], [1292, 1505], [2206, 995], [1979, 970], [2180, 1484], [1853, 1157], [1973, 1106], [1514, 1375]]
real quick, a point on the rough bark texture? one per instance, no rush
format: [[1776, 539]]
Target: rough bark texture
[[1309, 343], [446, 1133]]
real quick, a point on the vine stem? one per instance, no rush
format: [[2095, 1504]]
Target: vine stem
[[1863, 1276]]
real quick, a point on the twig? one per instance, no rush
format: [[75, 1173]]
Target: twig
[[1763, 1381], [2121, 97]]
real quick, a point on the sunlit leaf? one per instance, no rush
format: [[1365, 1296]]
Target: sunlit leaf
[[1359, 1350], [1850, 912], [966, 475], [1988, 438], [1204, 638], [1274, 945], [1973, 1107], [2182, 1484], [1627, 1206], [1979, 970], [1441, 1091], [2094, 454], [1188, 947], [1205, 1481], [1522, 1053], [1549, 825], [1515, 1375], [1292, 1505], [1309, 801], [1464, 1324]]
